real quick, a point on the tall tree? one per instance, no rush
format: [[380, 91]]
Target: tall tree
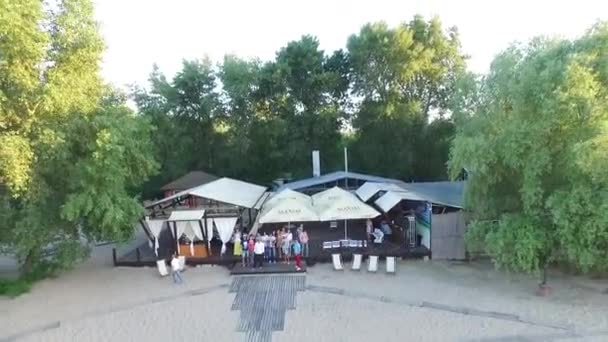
[[314, 87], [69, 164], [187, 114], [535, 149], [402, 75]]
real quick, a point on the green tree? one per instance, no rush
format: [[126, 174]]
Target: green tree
[[402, 75], [71, 155], [535, 148], [189, 120], [239, 79]]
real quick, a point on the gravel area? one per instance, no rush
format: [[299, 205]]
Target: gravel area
[[424, 301]]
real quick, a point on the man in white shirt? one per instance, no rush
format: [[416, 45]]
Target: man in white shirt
[[273, 252], [266, 241], [258, 250], [176, 270]]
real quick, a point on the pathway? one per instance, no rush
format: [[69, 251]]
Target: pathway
[[263, 302]]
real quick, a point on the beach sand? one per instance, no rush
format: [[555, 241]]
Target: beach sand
[[424, 301]]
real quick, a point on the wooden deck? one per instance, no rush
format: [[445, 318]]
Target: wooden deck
[[318, 233]]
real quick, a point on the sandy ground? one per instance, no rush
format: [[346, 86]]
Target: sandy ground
[[424, 301]]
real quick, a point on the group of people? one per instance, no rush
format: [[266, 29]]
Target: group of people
[[279, 244]]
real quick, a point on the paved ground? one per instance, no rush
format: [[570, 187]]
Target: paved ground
[[424, 301]]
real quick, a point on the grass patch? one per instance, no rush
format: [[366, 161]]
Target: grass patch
[[14, 288]]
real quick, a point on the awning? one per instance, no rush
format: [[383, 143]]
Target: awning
[[390, 199], [445, 193], [186, 215], [339, 204], [369, 189]]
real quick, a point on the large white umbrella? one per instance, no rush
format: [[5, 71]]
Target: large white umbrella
[[337, 204], [287, 194], [288, 206]]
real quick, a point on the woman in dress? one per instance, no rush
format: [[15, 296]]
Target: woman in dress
[[238, 247]]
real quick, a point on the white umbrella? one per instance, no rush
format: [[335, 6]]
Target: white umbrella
[[288, 206], [337, 204], [287, 194]]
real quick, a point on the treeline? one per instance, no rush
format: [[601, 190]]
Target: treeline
[[385, 97]]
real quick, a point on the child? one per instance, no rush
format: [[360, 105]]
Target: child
[[297, 252]]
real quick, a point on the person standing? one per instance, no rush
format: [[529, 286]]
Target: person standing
[[369, 227], [250, 248], [272, 240], [279, 234], [245, 257], [286, 246], [266, 241], [304, 242], [176, 270], [259, 253], [297, 252]]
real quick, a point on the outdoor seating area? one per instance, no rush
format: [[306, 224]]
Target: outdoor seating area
[[338, 225]]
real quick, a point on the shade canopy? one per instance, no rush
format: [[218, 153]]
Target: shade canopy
[[225, 190], [338, 204], [186, 215], [288, 206]]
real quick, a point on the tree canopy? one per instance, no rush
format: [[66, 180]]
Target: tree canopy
[[534, 144], [72, 155]]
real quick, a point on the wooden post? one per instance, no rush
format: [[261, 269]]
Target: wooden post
[[203, 232], [208, 237], [114, 256]]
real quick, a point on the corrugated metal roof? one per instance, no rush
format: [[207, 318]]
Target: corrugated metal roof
[[335, 176]]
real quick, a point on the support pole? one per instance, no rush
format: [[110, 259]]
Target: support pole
[[176, 237], [241, 218], [346, 167], [249, 212]]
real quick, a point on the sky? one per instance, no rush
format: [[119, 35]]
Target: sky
[[139, 33]]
